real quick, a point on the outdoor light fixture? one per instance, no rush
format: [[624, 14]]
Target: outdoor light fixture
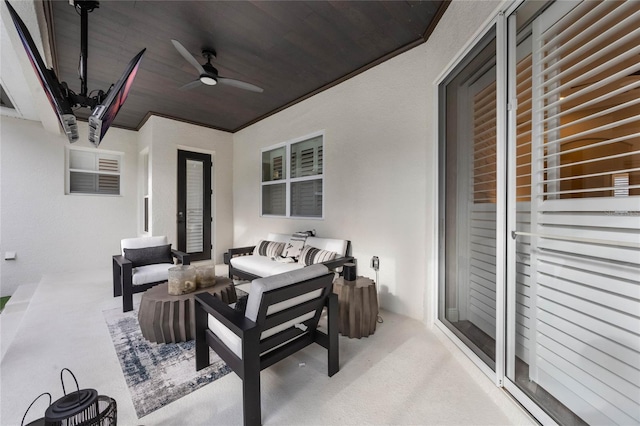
[[208, 80]]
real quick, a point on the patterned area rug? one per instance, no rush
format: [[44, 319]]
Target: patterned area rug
[[156, 374]]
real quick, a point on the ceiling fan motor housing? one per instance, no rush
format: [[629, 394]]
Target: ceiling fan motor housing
[[210, 77]]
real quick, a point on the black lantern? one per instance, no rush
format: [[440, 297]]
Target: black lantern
[[84, 407]]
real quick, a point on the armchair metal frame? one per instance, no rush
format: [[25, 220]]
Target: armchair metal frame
[[122, 278], [259, 354]]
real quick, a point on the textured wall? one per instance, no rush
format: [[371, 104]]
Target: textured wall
[[380, 184], [54, 232], [51, 231], [164, 137], [380, 164]]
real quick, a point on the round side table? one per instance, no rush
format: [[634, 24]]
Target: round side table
[[165, 318], [357, 306]]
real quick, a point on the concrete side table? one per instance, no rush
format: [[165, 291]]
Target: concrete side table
[[357, 306], [165, 318]]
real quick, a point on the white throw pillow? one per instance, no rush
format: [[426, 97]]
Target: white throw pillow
[[294, 246]]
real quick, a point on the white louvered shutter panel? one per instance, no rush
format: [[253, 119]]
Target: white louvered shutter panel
[[109, 183], [585, 256], [481, 299], [523, 199], [306, 190], [195, 206], [93, 172]]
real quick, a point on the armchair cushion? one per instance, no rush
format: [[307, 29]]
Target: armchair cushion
[[228, 337], [149, 255], [258, 287], [281, 318], [137, 268], [141, 242], [150, 273], [273, 282]]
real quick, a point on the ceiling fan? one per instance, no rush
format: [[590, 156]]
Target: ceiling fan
[[208, 74]]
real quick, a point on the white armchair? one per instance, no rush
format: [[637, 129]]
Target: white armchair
[[281, 317], [143, 263]]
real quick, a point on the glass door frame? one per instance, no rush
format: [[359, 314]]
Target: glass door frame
[[497, 376], [505, 210], [509, 84]]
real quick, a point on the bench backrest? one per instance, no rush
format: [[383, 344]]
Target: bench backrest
[[332, 244]]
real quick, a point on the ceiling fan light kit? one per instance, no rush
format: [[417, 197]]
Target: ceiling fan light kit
[[208, 80]]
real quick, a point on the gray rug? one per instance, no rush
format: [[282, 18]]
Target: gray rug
[[156, 374]]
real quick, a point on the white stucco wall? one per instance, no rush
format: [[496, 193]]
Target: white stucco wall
[[164, 138], [381, 164], [53, 232], [50, 231], [380, 185]]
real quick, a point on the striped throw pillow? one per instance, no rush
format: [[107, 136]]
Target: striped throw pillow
[[311, 255], [268, 248]]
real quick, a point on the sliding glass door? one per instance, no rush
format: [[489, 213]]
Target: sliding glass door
[[468, 201], [548, 216], [574, 287]]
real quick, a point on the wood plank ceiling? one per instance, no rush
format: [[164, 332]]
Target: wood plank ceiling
[[292, 49]]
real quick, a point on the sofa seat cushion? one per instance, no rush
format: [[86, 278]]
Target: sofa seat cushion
[[262, 266], [151, 273]]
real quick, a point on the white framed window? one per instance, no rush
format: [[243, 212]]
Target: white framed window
[[293, 178], [93, 171]]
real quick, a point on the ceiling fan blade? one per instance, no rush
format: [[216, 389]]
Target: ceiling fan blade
[[188, 56], [240, 84], [191, 85]]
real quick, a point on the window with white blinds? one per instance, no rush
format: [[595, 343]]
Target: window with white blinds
[[293, 179], [91, 171]]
